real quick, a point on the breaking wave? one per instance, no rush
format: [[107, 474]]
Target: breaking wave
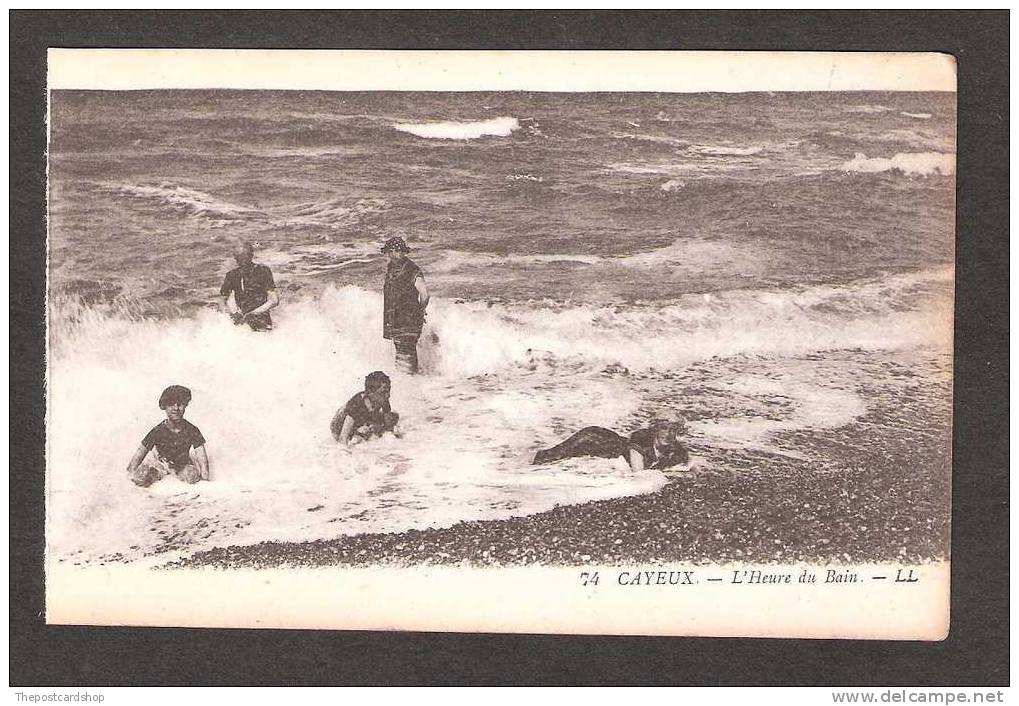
[[331, 213], [910, 163], [174, 196], [868, 109], [496, 127], [493, 391], [727, 150]]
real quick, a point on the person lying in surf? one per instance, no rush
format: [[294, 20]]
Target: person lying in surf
[[252, 288], [657, 446], [173, 439], [366, 414]]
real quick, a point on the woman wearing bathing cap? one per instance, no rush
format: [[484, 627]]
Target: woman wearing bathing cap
[[405, 298], [657, 446], [367, 413]]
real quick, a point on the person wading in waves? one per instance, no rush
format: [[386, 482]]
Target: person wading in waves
[[253, 290], [405, 298]]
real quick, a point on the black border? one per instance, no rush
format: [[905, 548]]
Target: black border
[[976, 653]]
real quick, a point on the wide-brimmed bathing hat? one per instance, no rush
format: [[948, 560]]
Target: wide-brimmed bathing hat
[[395, 245]]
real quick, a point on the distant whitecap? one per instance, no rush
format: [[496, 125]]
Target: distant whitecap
[[496, 127]]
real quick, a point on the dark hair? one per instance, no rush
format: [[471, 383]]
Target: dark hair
[[375, 381], [173, 394], [675, 427]]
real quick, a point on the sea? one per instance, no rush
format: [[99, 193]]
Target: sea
[[578, 247]]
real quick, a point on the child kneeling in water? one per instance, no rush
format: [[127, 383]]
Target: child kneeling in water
[[367, 413], [173, 439]]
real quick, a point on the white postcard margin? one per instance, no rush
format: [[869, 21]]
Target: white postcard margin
[[872, 601], [552, 71]]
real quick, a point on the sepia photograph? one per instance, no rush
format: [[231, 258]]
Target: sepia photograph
[[574, 325]]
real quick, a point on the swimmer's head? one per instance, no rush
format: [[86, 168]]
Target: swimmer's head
[[396, 248], [668, 431], [244, 252], [377, 385], [396, 244], [174, 401]]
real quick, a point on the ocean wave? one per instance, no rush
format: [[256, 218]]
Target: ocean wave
[[333, 213], [868, 109], [453, 260], [727, 150], [493, 390], [915, 140], [674, 169], [192, 201], [495, 127], [918, 116], [264, 403], [656, 139], [329, 213], [479, 337], [910, 163]]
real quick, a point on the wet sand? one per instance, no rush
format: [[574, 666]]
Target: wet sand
[[876, 489]]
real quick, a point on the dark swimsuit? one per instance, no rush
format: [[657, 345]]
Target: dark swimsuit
[[250, 287], [366, 422]]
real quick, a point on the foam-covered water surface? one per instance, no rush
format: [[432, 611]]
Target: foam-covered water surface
[[500, 382]]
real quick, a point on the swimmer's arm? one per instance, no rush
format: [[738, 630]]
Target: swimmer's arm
[[229, 301], [271, 302], [202, 461], [346, 430], [636, 460], [423, 297], [137, 459]]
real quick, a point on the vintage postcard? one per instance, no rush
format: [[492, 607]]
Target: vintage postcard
[[549, 342]]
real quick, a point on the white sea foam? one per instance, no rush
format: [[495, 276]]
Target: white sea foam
[[493, 392], [193, 201], [911, 163], [674, 168], [727, 150], [453, 260], [868, 109], [330, 213], [658, 139], [918, 116], [496, 127]]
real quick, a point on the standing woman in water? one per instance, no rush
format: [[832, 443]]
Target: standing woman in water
[[405, 298], [657, 446]]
